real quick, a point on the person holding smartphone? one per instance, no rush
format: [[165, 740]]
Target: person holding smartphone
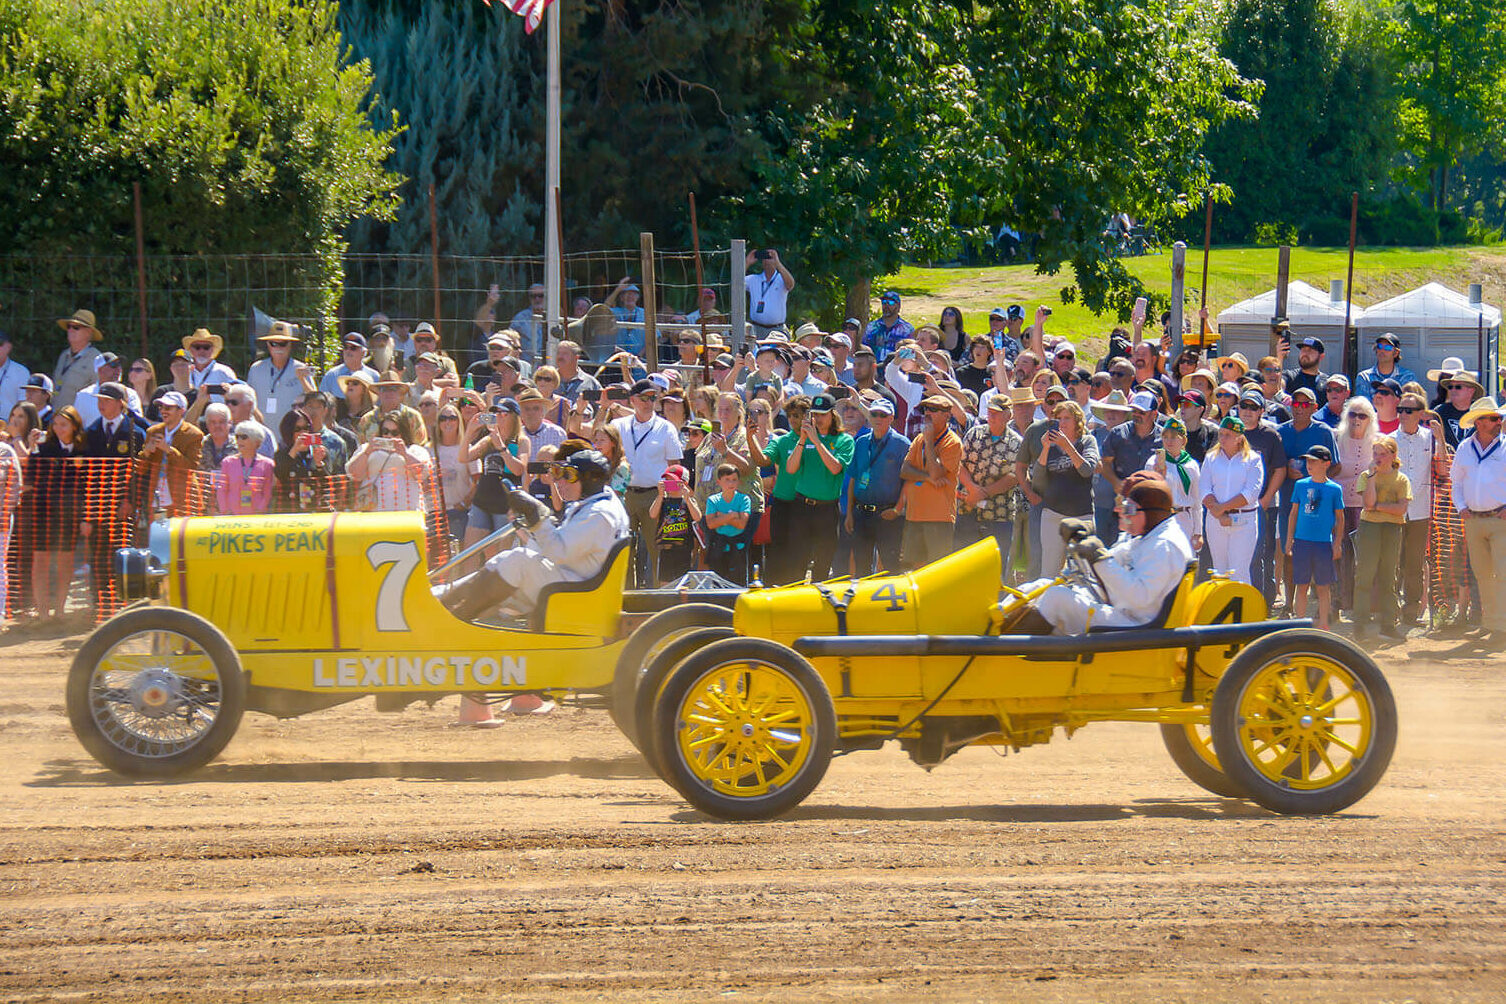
[[768, 291], [818, 461]]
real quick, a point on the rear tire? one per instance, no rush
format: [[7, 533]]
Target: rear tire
[[155, 692], [665, 658], [642, 645], [1304, 721], [745, 729], [1193, 754]]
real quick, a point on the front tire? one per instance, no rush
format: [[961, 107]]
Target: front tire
[[649, 638], [1304, 722], [155, 692], [1191, 750], [745, 729]]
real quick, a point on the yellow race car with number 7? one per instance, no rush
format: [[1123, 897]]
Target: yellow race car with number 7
[[739, 704]]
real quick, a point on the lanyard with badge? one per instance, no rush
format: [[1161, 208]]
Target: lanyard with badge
[[873, 458], [764, 292], [277, 375]]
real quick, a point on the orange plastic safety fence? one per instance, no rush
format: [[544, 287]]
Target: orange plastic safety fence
[[1448, 559], [87, 508]]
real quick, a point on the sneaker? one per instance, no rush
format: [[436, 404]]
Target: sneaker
[[1394, 631]]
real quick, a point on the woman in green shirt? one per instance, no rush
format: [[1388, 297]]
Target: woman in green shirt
[[818, 461]]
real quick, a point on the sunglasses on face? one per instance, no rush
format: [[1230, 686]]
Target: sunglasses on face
[[1383, 392], [449, 418], [1303, 404], [1407, 410], [237, 403], [1224, 397], [560, 472], [1075, 382], [138, 369], [1337, 390], [1488, 418], [545, 379], [1270, 369], [241, 435], [1066, 355]]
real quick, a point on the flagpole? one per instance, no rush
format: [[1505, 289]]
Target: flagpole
[[553, 279]]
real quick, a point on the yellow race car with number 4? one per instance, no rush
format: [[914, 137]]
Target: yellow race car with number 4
[[740, 703]]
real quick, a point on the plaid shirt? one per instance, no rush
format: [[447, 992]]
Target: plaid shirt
[[988, 458]]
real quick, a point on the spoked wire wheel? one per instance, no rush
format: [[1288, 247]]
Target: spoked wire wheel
[[745, 729], [642, 648], [155, 692], [1305, 722]]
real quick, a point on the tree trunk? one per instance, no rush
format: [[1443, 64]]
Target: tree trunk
[[859, 297]]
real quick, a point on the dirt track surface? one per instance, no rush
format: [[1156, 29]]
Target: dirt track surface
[[356, 856]]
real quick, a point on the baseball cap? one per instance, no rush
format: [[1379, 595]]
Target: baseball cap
[[725, 360], [1194, 396], [428, 357], [1389, 340], [1394, 386], [112, 390], [41, 381], [1233, 423], [675, 472], [1063, 347], [1142, 401], [498, 341], [863, 351], [178, 354], [643, 387], [824, 358], [1337, 378], [353, 339], [659, 380], [1313, 343], [1318, 453], [702, 425], [425, 328], [105, 359], [1253, 398], [853, 323], [1016, 312], [890, 297], [838, 339], [173, 399], [1305, 392], [1228, 387], [999, 312], [880, 406], [822, 403]]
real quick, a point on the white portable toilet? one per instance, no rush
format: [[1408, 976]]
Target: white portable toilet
[[1246, 326], [1434, 322]]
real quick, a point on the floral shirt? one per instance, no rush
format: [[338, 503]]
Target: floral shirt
[[988, 458]]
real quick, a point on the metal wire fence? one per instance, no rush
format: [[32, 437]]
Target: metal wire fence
[[236, 296]]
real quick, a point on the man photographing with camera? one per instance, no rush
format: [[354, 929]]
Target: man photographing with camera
[[768, 291], [571, 550]]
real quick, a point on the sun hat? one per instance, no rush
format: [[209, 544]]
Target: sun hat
[[1026, 395], [1484, 406], [205, 335], [1237, 358], [84, 317], [1449, 367], [1113, 401], [281, 331]]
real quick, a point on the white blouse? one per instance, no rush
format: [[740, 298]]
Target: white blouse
[[1225, 477]]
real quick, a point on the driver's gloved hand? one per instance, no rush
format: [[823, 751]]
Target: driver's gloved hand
[[1073, 530], [526, 509], [1091, 548]]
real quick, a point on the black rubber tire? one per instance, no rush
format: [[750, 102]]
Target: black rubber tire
[[822, 735], [664, 659], [639, 649], [1198, 770], [1372, 762], [191, 626]]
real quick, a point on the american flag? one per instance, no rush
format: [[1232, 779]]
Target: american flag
[[531, 11]]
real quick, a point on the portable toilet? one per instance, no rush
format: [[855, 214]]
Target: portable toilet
[[1434, 322], [1246, 326]]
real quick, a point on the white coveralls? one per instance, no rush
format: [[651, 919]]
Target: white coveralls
[[1139, 573], [570, 551]]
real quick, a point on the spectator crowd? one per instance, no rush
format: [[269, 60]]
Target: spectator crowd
[[794, 451]]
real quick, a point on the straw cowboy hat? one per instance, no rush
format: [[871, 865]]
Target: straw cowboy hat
[[391, 379], [205, 335], [1452, 366], [1022, 395], [1481, 408], [1114, 401], [1203, 372], [1237, 358], [281, 331], [360, 376], [1467, 377], [86, 318]]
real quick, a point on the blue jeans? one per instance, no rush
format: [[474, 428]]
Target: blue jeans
[[971, 529], [1263, 568], [1106, 525], [1033, 543]]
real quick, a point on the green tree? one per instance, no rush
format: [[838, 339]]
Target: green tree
[[241, 120], [1328, 114], [1453, 81], [460, 74]]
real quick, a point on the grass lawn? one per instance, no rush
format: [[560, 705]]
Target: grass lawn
[[1234, 274]]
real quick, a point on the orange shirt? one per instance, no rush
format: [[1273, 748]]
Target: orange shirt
[[926, 503]]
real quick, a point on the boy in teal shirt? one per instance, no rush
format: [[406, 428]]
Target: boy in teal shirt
[[727, 514], [1315, 533]]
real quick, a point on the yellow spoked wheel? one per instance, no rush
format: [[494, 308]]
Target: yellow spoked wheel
[[155, 692], [1191, 749], [745, 729], [643, 646], [1304, 722]]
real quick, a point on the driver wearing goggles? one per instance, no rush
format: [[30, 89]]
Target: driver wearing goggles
[[571, 550], [1138, 573]]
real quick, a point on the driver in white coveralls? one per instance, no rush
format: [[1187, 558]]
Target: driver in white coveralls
[[1139, 572], [574, 549]]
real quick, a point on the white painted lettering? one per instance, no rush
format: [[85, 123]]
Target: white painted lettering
[[320, 680], [514, 671], [486, 671], [434, 671], [345, 672], [372, 677], [409, 672], [459, 663]]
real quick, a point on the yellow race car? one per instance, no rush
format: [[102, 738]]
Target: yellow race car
[[742, 712]]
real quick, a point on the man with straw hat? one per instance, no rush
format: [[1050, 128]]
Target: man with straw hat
[[392, 395], [1479, 490], [280, 381], [1461, 391], [75, 366], [208, 376]]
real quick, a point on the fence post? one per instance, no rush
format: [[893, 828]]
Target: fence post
[[1178, 283], [434, 261], [738, 312], [1283, 274], [650, 300]]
